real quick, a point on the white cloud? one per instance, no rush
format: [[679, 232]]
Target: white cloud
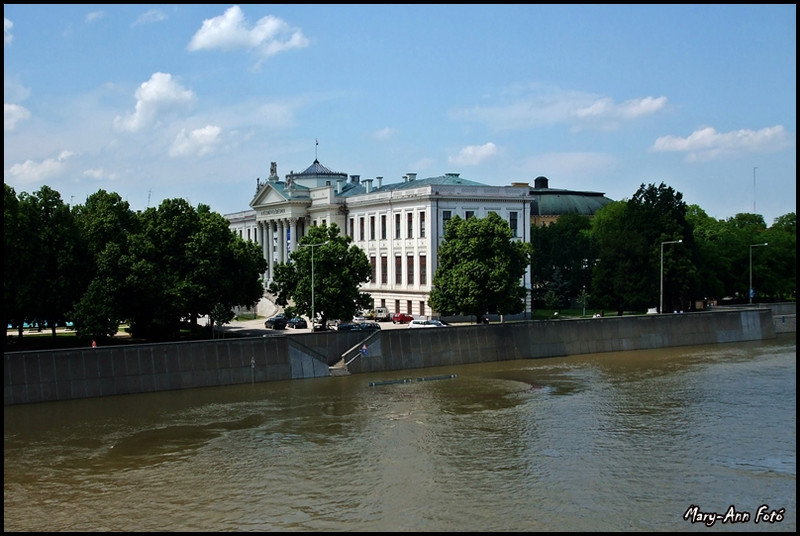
[[94, 15], [149, 17], [13, 114], [14, 91], [229, 31], [99, 174], [707, 144], [552, 106], [383, 134], [198, 142], [474, 154], [32, 172], [7, 35], [158, 94]]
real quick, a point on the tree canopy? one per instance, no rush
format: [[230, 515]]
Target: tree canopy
[[481, 268], [334, 266], [99, 264]]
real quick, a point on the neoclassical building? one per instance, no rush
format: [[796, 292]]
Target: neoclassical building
[[399, 225]]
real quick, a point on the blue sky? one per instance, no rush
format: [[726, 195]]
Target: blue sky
[[159, 101]]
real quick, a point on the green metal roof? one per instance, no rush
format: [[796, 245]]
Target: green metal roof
[[547, 201]]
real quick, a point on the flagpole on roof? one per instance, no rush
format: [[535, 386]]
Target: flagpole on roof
[[316, 149]]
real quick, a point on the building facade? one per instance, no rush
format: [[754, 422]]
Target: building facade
[[399, 226]]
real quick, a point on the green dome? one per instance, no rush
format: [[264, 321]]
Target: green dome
[[546, 201]]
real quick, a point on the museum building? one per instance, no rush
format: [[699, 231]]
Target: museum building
[[398, 225]]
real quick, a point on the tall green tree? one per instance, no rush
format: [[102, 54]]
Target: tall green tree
[[186, 262], [713, 253], [157, 267], [336, 268], [775, 265], [55, 240], [19, 252], [105, 223], [563, 257], [224, 269], [629, 236], [480, 269]]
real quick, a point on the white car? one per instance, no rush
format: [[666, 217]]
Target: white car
[[426, 324]]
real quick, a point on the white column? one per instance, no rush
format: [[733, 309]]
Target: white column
[[281, 241], [293, 239], [269, 249], [262, 241]]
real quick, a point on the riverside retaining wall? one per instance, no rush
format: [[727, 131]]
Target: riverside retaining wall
[[30, 377]]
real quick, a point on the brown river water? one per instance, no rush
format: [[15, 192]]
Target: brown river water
[[698, 438]]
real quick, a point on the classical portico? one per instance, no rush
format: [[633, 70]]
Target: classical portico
[[285, 209]]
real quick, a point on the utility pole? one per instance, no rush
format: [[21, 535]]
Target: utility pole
[[754, 189]]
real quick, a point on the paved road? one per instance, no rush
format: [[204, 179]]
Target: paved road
[[265, 309]]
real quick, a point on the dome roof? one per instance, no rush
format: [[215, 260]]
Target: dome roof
[[317, 169], [546, 201]]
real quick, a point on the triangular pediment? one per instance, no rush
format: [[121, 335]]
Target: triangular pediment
[[268, 195]]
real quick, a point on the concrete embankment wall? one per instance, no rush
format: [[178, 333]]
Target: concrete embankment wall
[[529, 340], [83, 373]]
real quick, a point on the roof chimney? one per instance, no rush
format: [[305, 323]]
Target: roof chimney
[[368, 183], [339, 186], [412, 176], [379, 180]]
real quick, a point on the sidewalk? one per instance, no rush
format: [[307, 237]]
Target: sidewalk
[[264, 309]]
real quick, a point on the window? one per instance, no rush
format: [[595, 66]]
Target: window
[[410, 269], [372, 227], [361, 235], [422, 225], [374, 266], [409, 307], [423, 270], [383, 226], [512, 222], [352, 228], [410, 225], [384, 270], [396, 306], [397, 226], [446, 215], [469, 214], [398, 270], [422, 307]]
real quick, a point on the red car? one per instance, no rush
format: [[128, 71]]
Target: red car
[[401, 318]]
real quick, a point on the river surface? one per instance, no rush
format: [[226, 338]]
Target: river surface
[[657, 440]]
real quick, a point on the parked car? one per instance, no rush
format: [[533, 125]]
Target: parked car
[[427, 324], [297, 322], [381, 314], [358, 326], [401, 318], [278, 321]]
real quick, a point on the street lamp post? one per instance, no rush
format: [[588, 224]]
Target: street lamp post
[[661, 294], [584, 300], [751, 268], [313, 312]]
